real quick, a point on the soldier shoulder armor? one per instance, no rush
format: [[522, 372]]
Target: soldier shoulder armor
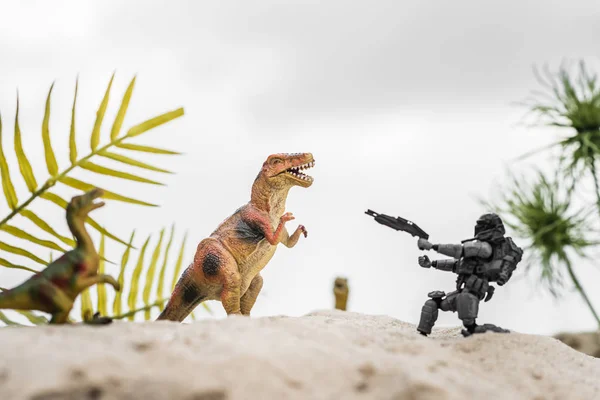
[[477, 249]]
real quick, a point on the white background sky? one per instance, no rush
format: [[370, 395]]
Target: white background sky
[[406, 106]]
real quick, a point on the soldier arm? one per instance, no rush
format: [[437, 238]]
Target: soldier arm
[[444, 265], [469, 249]]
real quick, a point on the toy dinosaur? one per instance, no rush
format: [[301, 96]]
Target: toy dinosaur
[[54, 289], [341, 291], [227, 264]]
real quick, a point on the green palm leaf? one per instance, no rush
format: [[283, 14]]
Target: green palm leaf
[[77, 184], [87, 310], [84, 162], [72, 141], [150, 274], [21, 234], [121, 279], [116, 128], [102, 308], [95, 139], [7, 320], [163, 269], [154, 122], [8, 264], [30, 215], [130, 161], [7, 185], [24, 164], [179, 263], [49, 153], [33, 318], [21, 252], [135, 279], [131, 314], [90, 166], [146, 149]]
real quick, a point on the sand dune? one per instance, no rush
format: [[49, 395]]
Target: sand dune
[[323, 355]]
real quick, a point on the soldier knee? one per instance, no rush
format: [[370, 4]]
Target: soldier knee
[[430, 307], [467, 306]]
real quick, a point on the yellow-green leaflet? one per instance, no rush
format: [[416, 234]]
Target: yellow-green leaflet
[[8, 321], [131, 314], [130, 161], [121, 279], [163, 269], [21, 234], [33, 318], [146, 149], [90, 166], [102, 309], [77, 184], [150, 274], [24, 165], [135, 279], [87, 310], [154, 122], [49, 153], [21, 252], [72, 141], [95, 139], [207, 308], [179, 262], [8, 264], [30, 215], [7, 185], [116, 128]]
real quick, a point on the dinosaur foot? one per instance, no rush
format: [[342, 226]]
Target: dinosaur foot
[[482, 329], [97, 319]]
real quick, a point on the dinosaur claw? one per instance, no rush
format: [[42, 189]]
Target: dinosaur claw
[[304, 231]]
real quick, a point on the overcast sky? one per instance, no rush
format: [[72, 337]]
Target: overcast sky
[[406, 106]]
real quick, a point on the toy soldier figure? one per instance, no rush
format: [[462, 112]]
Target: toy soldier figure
[[488, 257]]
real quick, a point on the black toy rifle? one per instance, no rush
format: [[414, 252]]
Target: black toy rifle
[[399, 224]]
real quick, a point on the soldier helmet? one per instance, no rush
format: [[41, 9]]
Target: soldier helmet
[[489, 227]]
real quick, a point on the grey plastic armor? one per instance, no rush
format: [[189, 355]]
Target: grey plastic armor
[[444, 265], [489, 257], [450, 250], [477, 249]]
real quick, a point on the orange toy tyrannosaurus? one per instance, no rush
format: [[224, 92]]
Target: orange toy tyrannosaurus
[[227, 264]]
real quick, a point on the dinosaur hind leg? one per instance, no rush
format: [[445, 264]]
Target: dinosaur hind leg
[[249, 298], [59, 301], [186, 296]]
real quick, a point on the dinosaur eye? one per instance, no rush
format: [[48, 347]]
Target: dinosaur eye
[[276, 161]]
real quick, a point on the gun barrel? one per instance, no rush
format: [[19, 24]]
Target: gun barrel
[[399, 224]]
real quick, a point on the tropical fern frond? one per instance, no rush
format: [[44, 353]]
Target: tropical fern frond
[[87, 309], [179, 263], [160, 251], [117, 306], [118, 139], [150, 274], [7, 321], [135, 279], [163, 269], [101, 289]]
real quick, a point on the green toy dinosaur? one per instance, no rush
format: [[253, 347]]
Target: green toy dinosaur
[[227, 264], [54, 289]]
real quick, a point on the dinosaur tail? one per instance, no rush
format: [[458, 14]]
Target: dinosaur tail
[[13, 300], [186, 296]]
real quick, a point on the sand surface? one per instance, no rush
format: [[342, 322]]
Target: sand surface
[[323, 355]]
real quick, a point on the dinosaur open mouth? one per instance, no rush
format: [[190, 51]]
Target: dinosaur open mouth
[[295, 171]]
